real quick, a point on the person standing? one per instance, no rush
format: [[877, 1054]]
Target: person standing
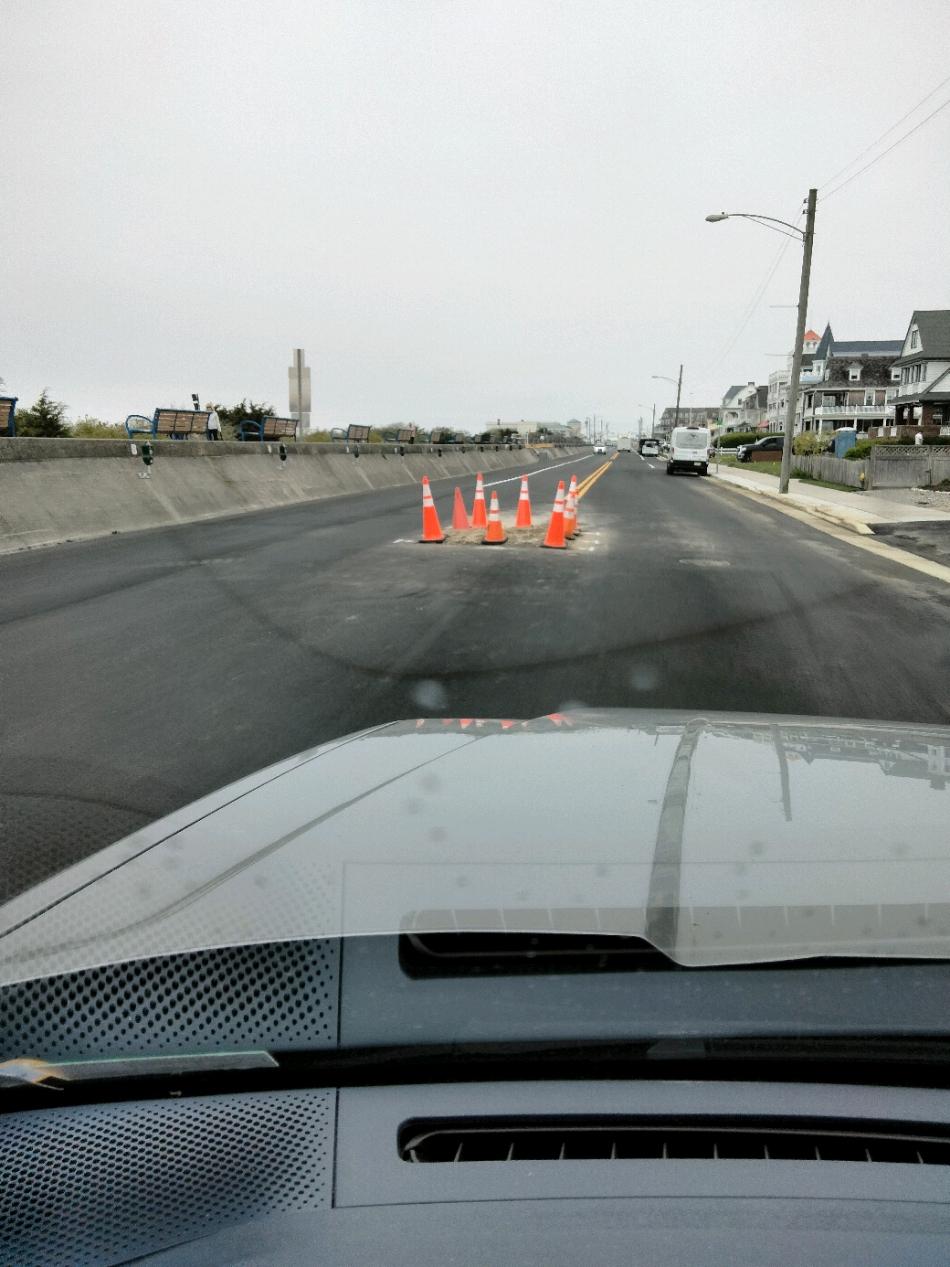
[[214, 425], [919, 438]]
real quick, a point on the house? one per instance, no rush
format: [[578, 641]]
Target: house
[[849, 383], [922, 397], [779, 380], [744, 408]]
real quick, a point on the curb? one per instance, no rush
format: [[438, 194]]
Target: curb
[[838, 518]]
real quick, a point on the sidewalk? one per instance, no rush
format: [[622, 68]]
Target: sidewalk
[[860, 512]]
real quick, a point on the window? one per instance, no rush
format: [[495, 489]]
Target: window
[[896, 375], [914, 339], [854, 374], [869, 398]]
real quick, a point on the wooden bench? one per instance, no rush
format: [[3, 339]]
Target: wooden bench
[[268, 429], [181, 422], [169, 422], [7, 414], [275, 428]]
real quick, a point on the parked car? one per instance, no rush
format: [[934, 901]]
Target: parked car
[[767, 444]]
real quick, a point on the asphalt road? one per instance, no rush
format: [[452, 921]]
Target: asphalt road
[[139, 672]]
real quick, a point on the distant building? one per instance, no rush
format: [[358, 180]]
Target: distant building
[[850, 383], [689, 416], [744, 408], [922, 368], [777, 399]]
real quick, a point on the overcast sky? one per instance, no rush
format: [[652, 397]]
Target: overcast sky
[[462, 211]]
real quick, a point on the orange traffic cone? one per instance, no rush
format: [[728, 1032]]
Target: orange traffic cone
[[572, 488], [555, 538], [570, 514], [459, 517], [495, 534], [431, 528], [523, 517], [479, 518]]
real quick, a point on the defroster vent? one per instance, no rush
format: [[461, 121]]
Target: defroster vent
[[647, 1139]]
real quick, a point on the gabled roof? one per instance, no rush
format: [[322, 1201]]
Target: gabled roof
[[934, 327], [810, 335], [826, 341], [867, 347], [730, 393]]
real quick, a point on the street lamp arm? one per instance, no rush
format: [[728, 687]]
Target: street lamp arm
[[665, 377], [751, 215]]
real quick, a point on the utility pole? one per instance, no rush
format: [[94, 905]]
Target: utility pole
[[795, 379], [679, 388]]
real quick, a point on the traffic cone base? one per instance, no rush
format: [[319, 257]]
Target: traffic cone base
[[459, 517], [431, 528], [523, 516], [495, 534], [554, 540], [479, 517]]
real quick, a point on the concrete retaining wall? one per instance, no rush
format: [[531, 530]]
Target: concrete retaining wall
[[59, 490]]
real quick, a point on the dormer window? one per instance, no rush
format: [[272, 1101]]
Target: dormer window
[[854, 373], [895, 376], [914, 339]]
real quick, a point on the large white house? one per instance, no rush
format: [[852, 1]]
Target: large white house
[[780, 379], [744, 408], [850, 383], [922, 396]]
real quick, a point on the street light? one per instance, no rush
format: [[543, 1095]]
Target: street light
[[807, 237], [679, 388]]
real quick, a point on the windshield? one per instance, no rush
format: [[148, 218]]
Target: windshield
[[384, 543]]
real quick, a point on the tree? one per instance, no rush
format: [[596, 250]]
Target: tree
[[46, 418], [232, 416]]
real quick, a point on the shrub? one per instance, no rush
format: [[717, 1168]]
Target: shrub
[[87, 428], [734, 438], [860, 451], [810, 443]]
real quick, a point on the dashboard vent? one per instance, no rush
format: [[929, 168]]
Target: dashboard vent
[[645, 1139], [513, 953]]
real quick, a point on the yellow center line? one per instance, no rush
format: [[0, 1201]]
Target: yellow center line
[[587, 484]]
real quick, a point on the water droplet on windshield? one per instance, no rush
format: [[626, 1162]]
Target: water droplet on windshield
[[429, 694]]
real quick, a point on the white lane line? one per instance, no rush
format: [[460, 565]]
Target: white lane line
[[543, 471], [650, 465], [641, 457]]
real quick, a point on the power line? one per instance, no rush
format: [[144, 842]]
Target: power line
[[900, 140], [749, 310], [867, 149]]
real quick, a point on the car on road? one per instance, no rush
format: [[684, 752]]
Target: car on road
[[689, 450], [768, 444], [650, 448], [600, 448]]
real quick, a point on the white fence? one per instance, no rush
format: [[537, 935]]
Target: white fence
[[908, 465]]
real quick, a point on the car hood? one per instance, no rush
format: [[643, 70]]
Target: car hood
[[719, 838]]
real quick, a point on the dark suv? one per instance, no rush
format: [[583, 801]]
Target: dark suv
[[767, 444]]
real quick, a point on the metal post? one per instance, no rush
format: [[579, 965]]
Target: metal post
[[653, 421], [795, 379], [679, 388]]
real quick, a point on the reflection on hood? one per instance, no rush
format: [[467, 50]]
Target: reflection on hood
[[722, 838]]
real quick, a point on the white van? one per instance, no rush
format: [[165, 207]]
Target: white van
[[689, 450]]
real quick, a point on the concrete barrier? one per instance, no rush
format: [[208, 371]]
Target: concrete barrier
[[62, 490]]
